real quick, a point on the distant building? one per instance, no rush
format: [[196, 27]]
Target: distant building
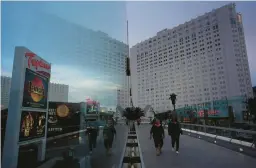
[[5, 89], [123, 97], [57, 92]]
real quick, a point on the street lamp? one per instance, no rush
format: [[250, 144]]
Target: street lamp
[[173, 98]]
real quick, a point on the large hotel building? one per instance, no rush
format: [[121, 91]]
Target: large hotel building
[[201, 60], [95, 55]]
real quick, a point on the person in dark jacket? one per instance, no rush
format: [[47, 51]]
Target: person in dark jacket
[[157, 131], [109, 132], [92, 133], [174, 130]]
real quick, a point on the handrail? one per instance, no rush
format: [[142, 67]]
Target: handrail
[[221, 128], [52, 138], [221, 137], [55, 137]]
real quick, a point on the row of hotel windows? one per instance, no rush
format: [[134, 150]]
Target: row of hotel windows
[[202, 62], [181, 42], [181, 30], [175, 41], [180, 91], [183, 76], [154, 102], [207, 22], [217, 48], [141, 54], [181, 69], [145, 62]]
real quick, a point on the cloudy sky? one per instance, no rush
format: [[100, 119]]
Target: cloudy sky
[[28, 26]]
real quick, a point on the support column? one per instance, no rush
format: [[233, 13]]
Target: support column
[[41, 150], [82, 136]]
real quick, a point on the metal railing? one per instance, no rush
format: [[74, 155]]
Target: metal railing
[[84, 161], [57, 136], [237, 136]]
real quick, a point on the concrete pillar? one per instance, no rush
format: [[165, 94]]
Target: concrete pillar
[[82, 136], [41, 150]]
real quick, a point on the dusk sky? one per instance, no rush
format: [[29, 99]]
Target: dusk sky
[[145, 20]]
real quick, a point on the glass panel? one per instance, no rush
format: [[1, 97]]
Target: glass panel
[[84, 41]]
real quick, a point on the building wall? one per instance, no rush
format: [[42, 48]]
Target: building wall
[[57, 92], [134, 77], [123, 97], [201, 60], [5, 89]]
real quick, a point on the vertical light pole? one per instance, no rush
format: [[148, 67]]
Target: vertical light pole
[[173, 98]]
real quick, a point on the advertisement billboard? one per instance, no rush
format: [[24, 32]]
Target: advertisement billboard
[[32, 125], [35, 90], [63, 118], [92, 106]]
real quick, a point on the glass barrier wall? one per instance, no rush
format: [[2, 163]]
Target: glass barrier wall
[[86, 43]]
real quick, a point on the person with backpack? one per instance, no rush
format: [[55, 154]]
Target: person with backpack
[[174, 130], [109, 132], [157, 132]]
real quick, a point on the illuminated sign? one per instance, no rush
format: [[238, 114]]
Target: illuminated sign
[[63, 118], [92, 106], [32, 125], [35, 89], [35, 62]]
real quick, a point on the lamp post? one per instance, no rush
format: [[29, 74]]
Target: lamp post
[[173, 98]]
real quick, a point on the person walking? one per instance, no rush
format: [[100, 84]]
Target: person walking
[[92, 133], [174, 130], [109, 132], [157, 132], [138, 121]]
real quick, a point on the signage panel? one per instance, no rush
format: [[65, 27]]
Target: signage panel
[[27, 106], [32, 125], [92, 106], [63, 118], [35, 90]]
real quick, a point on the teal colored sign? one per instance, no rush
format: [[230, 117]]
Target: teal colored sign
[[215, 109]]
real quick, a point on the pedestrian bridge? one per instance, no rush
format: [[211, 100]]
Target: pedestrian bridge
[[194, 152]]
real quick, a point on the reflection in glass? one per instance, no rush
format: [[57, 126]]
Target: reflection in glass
[[84, 41]]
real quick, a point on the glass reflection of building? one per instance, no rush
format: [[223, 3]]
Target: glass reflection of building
[[72, 37]]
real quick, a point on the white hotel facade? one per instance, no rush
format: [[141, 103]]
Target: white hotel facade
[[57, 92], [202, 60]]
